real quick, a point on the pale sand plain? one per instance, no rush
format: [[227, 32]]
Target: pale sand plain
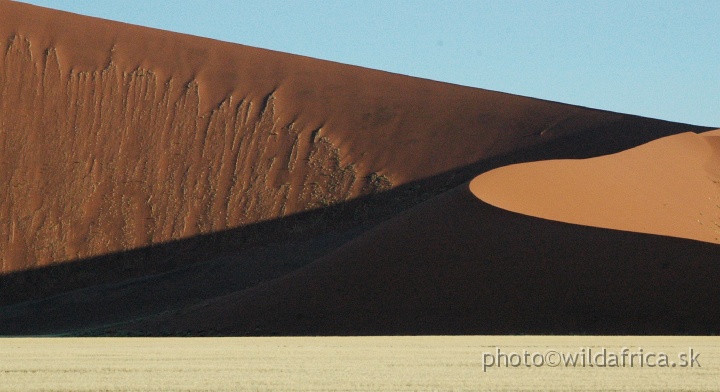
[[420, 363]]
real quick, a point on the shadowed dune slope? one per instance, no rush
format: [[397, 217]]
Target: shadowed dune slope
[[456, 265], [159, 183], [670, 186], [224, 266]]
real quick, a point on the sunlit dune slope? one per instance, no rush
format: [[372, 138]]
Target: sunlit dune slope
[[115, 137], [670, 186]]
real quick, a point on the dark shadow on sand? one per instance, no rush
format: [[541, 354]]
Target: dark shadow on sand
[[99, 291]]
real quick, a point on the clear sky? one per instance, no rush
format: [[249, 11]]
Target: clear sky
[[658, 59]]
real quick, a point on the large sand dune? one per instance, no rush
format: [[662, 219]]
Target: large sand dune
[[117, 136], [205, 187]]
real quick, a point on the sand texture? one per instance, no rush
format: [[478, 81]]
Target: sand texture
[[379, 363], [159, 183]]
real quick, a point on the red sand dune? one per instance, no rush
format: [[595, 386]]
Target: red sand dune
[[118, 136], [670, 186], [200, 187]]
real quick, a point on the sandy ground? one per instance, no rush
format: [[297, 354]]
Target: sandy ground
[[419, 363]]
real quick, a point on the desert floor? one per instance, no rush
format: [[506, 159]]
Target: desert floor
[[342, 363]]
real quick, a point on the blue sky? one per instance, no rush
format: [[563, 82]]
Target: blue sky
[[658, 59]]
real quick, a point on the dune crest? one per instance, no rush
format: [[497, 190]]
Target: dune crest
[[118, 137], [670, 186]]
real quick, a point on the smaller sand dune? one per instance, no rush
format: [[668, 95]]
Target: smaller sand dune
[[670, 186]]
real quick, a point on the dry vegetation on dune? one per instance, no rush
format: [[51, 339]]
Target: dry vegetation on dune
[[158, 183]]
